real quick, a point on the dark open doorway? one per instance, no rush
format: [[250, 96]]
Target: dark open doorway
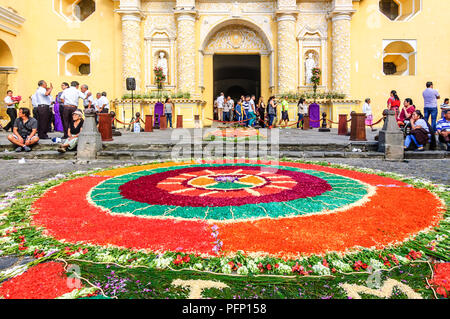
[[237, 75]]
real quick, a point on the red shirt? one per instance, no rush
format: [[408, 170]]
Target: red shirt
[[410, 110]]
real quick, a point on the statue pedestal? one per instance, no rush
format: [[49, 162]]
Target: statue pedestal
[[390, 139], [89, 140]]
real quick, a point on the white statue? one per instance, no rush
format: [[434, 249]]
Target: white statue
[[310, 64], [162, 63]]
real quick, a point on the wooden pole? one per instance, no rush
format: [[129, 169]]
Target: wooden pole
[[149, 123], [358, 127]]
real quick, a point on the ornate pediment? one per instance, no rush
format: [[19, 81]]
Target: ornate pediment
[[236, 38]]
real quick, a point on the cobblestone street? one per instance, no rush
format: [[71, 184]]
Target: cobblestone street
[[14, 174]]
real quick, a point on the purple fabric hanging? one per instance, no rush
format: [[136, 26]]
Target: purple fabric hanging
[[314, 115], [159, 109], [58, 121]]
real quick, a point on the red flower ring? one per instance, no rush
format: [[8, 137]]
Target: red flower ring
[[66, 214], [186, 187]]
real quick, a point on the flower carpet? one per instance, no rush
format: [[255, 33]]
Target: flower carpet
[[234, 134], [232, 221]]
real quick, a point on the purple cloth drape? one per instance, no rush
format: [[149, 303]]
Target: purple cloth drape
[[159, 109], [58, 121], [314, 115]]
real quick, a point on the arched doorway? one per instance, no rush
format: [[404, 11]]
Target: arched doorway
[[236, 59], [6, 68]]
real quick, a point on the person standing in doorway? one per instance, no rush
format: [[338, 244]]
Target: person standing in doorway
[[261, 111], [430, 97], [43, 100], [168, 111], [70, 98], [10, 110], [220, 103]]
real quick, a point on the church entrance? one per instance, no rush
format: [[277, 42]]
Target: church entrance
[[237, 75]]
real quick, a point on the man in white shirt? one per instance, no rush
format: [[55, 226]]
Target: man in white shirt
[[43, 101], [88, 101], [220, 103], [103, 104], [10, 110], [70, 98]]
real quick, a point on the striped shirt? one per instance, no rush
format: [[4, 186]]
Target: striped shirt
[[443, 125]]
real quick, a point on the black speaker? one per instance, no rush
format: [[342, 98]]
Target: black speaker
[[131, 84]]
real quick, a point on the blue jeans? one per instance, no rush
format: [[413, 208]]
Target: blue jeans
[[300, 119], [271, 118], [226, 116], [433, 112], [411, 138], [252, 117], [169, 119]]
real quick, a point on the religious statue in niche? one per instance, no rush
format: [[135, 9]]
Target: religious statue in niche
[[310, 64], [162, 63]]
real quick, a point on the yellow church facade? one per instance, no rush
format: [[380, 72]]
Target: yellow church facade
[[364, 49]]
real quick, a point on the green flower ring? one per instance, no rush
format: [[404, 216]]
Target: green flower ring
[[138, 195]]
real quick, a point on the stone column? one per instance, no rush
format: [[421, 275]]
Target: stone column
[[131, 48], [186, 50], [341, 52], [287, 52]]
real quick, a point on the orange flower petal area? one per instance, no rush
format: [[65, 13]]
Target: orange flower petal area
[[394, 213]]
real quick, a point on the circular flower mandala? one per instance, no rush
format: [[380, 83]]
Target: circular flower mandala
[[284, 209]]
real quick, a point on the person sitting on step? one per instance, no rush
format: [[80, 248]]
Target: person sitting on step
[[420, 132], [24, 131], [443, 129], [73, 132]]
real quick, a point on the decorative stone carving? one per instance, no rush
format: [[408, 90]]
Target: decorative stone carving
[[287, 59], [236, 38], [341, 53], [186, 52], [131, 51]]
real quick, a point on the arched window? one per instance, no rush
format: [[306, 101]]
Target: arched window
[[74, 10], [400, 10], [399, 57], [74, 58]]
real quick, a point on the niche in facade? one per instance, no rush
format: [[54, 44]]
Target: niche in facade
[[399, 57], [400, 10], [74, 58], [74, 10]]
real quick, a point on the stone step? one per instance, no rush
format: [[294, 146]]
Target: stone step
[[427, 155], [36, 154]]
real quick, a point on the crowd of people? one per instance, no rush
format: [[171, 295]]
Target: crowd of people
[[416, 126], [52, 114], [249, 113]]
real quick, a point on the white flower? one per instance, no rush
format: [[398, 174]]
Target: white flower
[[376, 264], [78, 293], [402, 259], [284, 269], [321, 269], [242, 271], [198, 266], [226, 269], [105, 257], [162, 263], [340, 265], [252, 266], [14, 271]]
